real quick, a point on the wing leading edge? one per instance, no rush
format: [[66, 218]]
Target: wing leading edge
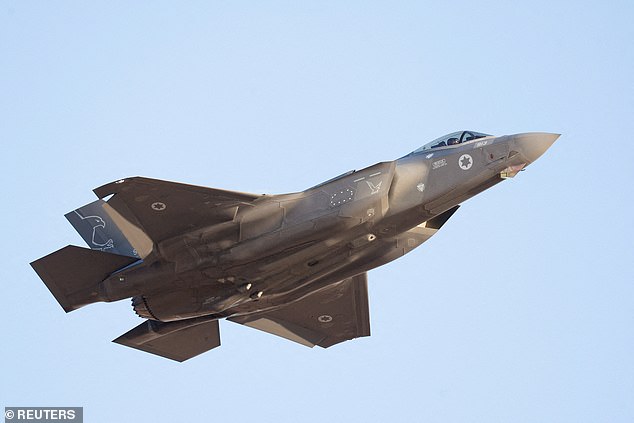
[[335, 314]]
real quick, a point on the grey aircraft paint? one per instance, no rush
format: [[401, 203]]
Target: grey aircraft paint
[[293, 265]]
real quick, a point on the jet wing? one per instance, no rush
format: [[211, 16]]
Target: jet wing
[[335, 314], [164, 209]]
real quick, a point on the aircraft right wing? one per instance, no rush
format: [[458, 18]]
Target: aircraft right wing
[[335, 314], [164, 209]]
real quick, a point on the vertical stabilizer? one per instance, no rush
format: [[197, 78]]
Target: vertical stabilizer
[[107, 231]]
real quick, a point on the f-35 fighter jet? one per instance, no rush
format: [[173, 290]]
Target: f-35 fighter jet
[[294, 265]]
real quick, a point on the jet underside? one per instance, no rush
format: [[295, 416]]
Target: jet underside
[[293, 264]]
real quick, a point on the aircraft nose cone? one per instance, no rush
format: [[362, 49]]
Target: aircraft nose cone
[[534, 144]]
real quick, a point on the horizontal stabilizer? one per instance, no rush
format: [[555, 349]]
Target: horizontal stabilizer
[[180, 340], [335, 314], [73, 274]]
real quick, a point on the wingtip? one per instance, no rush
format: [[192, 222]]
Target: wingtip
[[112, 187]]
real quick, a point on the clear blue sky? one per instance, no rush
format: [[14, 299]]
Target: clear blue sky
[[520, 310]]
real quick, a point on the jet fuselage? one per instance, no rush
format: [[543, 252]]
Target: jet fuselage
[[294, 265], [284, 247]]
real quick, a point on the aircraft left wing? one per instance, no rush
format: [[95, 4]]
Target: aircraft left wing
[[335, 314], [164, 209]]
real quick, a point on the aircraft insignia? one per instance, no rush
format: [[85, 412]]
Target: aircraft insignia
[[374, 188], [465, 162]]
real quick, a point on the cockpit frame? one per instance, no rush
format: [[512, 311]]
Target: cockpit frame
[[451, 140]]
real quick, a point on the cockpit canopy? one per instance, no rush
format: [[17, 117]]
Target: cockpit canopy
[[454, 138]]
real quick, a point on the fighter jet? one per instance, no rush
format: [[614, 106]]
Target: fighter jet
[[294, 265]]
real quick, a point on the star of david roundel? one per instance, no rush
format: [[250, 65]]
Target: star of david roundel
[[465, 162]]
